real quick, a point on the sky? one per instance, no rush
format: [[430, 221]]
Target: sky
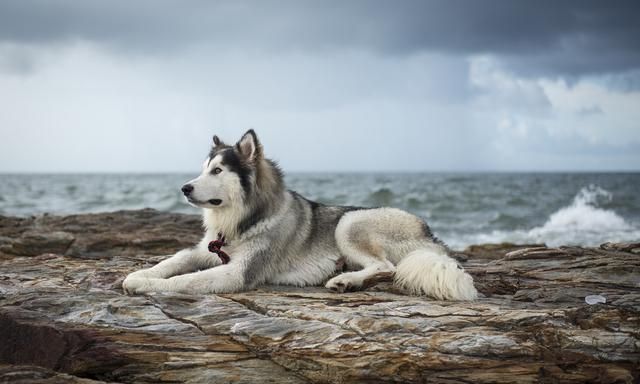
[[496, 85]]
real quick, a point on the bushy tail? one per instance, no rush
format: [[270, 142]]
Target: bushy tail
[[433, 273]]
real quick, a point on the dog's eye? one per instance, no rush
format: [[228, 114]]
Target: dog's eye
[[217, 171]]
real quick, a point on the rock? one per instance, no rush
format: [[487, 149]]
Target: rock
[[104, 235], [624, 247], [64, 318], [18, 374], [33, 243], [495, 251]]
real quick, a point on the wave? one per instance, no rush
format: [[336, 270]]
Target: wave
[[584, 216], [583, 222], [503, 220], [381, 197]]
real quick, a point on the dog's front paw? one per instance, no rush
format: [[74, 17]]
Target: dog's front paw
[[130, 285], [134, 285]]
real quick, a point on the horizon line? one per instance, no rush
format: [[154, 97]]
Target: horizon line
[[63, 173]]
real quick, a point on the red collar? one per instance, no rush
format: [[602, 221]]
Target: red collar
[[216, 247]]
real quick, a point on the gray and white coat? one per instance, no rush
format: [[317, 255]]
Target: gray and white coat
[[276, 236]]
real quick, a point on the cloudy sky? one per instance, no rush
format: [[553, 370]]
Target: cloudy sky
[[141, 86]]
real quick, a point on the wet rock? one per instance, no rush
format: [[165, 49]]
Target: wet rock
[[64, 318]]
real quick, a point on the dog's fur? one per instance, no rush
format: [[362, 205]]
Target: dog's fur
[[276, 236]]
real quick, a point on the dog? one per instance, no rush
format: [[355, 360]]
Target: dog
[[258, 232]]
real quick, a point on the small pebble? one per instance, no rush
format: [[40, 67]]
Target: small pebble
[[595, 299]]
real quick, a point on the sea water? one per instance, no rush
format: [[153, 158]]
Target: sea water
[[462, 209]]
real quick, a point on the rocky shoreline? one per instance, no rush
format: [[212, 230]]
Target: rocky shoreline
[[64, 317]]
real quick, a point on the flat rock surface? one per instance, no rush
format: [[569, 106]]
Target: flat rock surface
[[65, 319]]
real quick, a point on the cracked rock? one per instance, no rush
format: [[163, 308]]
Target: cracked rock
[[65, 319]]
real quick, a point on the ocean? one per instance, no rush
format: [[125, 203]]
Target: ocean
[[461, 208]]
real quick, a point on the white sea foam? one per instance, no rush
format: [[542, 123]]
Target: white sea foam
[[583, 217], [583, 222]]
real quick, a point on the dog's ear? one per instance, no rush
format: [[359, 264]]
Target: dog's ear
[[216, 141], [249, 146]]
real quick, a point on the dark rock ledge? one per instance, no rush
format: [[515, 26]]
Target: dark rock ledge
[[64, 318]]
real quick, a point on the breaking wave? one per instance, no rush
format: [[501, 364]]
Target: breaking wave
[[584, 216], [583, 222]]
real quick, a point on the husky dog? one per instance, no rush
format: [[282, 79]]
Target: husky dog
[[266, 234]]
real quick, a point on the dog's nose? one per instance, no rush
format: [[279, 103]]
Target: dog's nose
[[187, 189]]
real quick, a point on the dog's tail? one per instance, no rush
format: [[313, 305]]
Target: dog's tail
[[431, 272]]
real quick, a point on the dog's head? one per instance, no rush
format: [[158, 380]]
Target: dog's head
[[229, 174]]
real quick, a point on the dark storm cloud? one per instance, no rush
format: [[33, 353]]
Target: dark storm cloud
[[564, 37]]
